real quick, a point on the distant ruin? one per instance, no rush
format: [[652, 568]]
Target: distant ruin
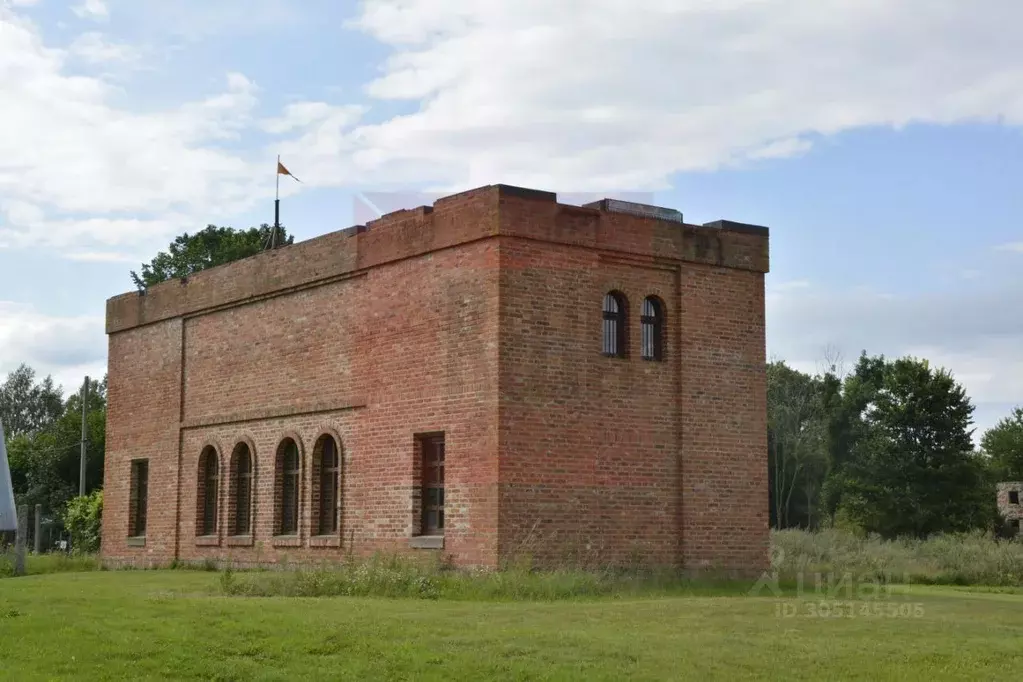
[[1009, 494]]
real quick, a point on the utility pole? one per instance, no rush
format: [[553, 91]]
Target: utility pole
[[20, 539], [81, 461], [37, 536]]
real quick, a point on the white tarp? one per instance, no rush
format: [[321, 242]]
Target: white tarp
[[8, 515]]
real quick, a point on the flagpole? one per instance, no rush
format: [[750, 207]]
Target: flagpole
[[277, 204]]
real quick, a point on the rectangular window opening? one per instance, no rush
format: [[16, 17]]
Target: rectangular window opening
[[1013, 497], [431, 501], [138, 498]]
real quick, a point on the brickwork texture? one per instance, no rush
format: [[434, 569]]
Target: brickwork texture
[[478, 319]]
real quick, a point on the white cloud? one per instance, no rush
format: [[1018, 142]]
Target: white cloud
[[313, 115], [69, 348], [788, 286], [594, 96], [602, 95], [102, 257], [1015, 247], [94, 48], [92, 9], [86, 171]]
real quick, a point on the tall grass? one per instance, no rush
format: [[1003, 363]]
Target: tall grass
[[966, 559], [38, 564], [962, 559], [399, 577]]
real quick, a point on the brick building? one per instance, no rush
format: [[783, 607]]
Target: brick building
[[493, 376]]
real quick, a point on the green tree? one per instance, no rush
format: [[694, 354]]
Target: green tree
[[845, 400], [190, 253], [45, 464], [909, 467], [797, 444], [27, 405], [1003, 443]]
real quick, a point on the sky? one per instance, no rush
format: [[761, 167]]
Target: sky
[[880, 140]]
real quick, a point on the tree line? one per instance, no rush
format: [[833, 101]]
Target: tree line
[[886, 448]]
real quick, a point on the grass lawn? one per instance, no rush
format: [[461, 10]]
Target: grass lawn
[[174, 625]]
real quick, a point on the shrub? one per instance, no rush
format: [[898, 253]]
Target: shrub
[[84, 520]]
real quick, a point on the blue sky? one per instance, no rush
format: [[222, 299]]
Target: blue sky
[[880, 141]]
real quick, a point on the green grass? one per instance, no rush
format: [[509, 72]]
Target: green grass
[[178, 625]]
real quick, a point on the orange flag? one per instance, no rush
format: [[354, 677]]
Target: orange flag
[[281, 170]]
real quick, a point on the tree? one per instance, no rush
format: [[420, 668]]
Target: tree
[[797, 444], [27, 406], [909, 467], [1003, 443], [45, 463], [213, 246]]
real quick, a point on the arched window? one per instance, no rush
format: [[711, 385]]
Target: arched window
[[652, 329], [326, 475], [288, 475], [240, 519], [615, 331], [207, 492]]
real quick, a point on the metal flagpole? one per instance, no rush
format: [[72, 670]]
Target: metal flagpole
[[277, 204]]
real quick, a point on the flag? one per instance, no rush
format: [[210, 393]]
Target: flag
[[281, 170]]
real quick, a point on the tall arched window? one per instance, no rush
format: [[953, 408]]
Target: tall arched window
[[288, 475], [207, 492], [615, 330], [241, 491], [652, 329], [326, 475]]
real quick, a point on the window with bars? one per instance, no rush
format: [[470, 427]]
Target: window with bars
[[138, 498], [288, 477], [432, 500], [207, 493], [652, 329], [615, 330], [241, 498], [329, 469]]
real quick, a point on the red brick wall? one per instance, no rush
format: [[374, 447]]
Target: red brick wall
[[609, 460], [143, 409], [724, 418], [410, 347], [418, 324], [589, 456]]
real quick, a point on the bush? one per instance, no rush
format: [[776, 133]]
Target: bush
[[83, 519]]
